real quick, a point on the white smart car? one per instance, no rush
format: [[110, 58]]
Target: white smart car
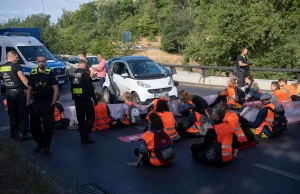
[[141, 76]]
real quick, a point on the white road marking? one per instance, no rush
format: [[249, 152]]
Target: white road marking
[[277, 171], [4, 128]]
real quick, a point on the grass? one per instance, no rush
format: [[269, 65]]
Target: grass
[[18, 175]]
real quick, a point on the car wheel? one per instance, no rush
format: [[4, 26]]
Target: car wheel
[[107, 97], [135, 98]]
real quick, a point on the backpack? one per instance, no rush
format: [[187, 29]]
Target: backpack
[[205, 124], [163, 146], [240, 96], [280, 121], [134, 115]]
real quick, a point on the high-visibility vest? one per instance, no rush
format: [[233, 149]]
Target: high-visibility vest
[[231, 97], [291, 89], [169, 123], [232, 119], [125, 118], [268, 120], [57, 114], [102, 120], [282, 95], [224, 136], [194, 129], [149, 139], [155, 105]]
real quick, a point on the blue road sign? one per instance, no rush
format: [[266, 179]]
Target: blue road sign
[[126, 36]]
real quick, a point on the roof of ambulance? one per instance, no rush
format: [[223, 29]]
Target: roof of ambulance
[[19, 41]]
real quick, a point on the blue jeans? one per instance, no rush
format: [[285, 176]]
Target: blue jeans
[[101, 81], [267, 131]]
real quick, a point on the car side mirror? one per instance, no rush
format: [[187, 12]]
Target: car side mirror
[[124, 75]]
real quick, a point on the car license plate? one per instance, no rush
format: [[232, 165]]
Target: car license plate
[[156, 95], [61, 81]]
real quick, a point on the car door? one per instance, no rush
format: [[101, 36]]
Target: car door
[[120, 84]]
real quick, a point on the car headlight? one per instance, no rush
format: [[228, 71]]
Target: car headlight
[[142, 84], [170, 81]]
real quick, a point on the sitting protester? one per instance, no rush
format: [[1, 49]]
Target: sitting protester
[[60, 121], [265, 117], [229, 95], [291, 90], [155, 142], [102, 115], [153, 105], [185, 104], [125, 113], [197, 123], [168, 119], [242, 134], [278, 94], [218, 144], [252, 91]]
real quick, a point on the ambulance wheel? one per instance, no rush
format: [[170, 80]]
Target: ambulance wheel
[[135, 98], [107, 97]]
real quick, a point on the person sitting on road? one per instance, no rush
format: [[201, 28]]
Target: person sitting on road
[[228, 95], [291, 90], [168, 119], [102, 115], [252, 91], [146, 151], [153, 105], [218, 142], [244, 135], [192, 124], [59, 116], [265, 117], [185, 104], [124, 121], [278, 94]]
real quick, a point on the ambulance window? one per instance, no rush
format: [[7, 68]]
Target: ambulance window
[[21, 62]]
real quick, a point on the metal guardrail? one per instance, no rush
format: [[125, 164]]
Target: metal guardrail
[[206, 68]]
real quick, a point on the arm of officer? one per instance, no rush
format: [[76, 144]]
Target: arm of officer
[[240, 59], [23, 78], [262, 114]]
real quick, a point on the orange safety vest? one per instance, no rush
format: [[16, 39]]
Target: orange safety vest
[[125, 118], [169, 123], [57, 114], [282, 95], [149, 139], [268, 120], [101, 118], [232, 119], [155, 105], [224, 136], [291, 89], [231, 97], [194, 129]]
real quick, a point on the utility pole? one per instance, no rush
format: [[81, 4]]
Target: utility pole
[[43, 7]]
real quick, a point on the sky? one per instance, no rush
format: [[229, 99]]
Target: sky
[[24, 8]]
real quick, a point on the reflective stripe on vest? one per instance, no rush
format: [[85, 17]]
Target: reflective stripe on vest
[[225, 133], [226, 153], [226, 146], [240, 135]]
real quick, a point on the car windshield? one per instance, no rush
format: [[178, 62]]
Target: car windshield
[[31, 52], [145, 69], [92, 60]]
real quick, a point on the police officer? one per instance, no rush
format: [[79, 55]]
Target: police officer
[[15, 82], [43, 87], [82, 91], [243, 67], [89, 66]]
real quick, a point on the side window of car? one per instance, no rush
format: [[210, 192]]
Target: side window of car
[[71, 60], [76, 60], [21, 62], [120, 68]]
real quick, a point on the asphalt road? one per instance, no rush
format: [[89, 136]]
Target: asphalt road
[[271, 167]]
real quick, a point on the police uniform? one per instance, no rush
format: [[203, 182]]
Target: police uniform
[[82, 91], [16, 99], [242, 72], [41, 112]]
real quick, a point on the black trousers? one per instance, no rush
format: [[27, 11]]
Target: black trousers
[[42, 122], [241, 74], [17, 111], [295, 98], [85, 117]]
